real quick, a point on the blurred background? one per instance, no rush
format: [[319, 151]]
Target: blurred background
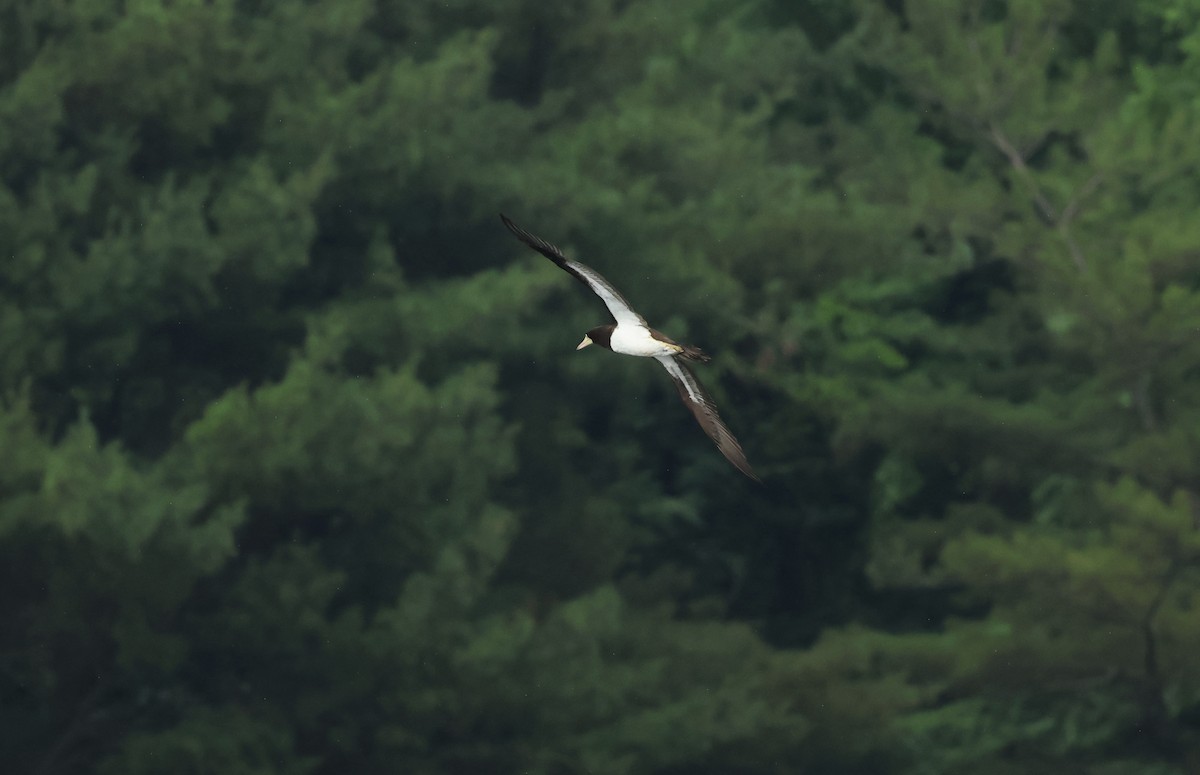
[[300, 473]]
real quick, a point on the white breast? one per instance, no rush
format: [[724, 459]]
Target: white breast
[[635, 340]]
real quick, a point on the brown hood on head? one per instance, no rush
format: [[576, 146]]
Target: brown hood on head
[[602, 335]]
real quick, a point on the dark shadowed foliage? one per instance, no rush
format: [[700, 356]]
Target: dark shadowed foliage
[[299, 472]]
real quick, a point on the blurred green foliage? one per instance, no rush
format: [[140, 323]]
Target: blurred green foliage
[[299, 474]]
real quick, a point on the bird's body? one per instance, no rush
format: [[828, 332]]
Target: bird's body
[[638, 340], [629, 334]]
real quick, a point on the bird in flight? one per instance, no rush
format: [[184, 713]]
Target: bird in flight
[[629, 334]]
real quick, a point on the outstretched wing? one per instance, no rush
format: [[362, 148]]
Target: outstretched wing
[[617, 306], [698, 400]]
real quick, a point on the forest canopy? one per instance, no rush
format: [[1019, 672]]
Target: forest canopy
[[300, 474]]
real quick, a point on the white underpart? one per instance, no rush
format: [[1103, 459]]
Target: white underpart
[[630, 339], [622, 313]]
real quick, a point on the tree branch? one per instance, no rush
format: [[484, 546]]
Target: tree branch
[[1017, 160], [1154, 685], [1060, 222], [1141, 399]]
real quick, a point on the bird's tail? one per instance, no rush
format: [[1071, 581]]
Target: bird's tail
[[695, 354]]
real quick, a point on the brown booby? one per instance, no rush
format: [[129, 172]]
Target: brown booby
[[629, 334]]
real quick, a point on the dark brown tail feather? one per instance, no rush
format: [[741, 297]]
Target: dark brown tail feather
[[695, 354]]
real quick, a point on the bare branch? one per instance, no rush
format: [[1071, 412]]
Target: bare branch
[[1141, 399], [1072, 208], [1061, 223], [1018, 162], [1154, 703]]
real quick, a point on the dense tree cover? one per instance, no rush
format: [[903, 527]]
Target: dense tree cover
[[299, 474]]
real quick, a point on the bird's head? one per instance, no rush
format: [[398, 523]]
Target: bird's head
[[601, 335]]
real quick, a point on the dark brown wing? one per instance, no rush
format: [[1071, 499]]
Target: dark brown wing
[[698, 400], [620, 309], [688, 351]]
